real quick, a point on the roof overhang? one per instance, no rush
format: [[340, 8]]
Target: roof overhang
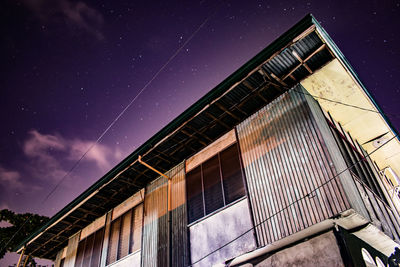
[[297, 54], [339, 92]]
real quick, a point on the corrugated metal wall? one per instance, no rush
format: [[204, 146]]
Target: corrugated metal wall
[[285, 158], [155, 228], [71, 250], [179, 242], [156, 231]]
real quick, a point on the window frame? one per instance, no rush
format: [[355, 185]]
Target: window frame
[[226, 203], [84, 240], [131, 234]]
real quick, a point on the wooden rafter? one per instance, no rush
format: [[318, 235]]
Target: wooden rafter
[[227, 111], [217, 120], [200, 132], [195, 137]]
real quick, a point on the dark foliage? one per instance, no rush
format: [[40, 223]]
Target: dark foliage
[[28, 223]]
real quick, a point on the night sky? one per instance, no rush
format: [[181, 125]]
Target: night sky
[[68, 68]]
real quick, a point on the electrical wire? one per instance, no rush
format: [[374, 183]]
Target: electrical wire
[[346, 104], [291, 204], [76, 164]]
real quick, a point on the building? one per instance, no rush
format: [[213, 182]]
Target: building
[[288, 160]]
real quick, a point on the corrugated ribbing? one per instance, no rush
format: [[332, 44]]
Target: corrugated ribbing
[[180, 254], [158, 237], [285, 158], [155, 228]]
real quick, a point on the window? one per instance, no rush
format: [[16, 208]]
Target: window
[[89, 250], [125, 234], [214, 183]]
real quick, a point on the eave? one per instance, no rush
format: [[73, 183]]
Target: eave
[[296, 55]]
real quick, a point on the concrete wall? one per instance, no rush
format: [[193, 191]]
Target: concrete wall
[[218, 229], [322, 250]]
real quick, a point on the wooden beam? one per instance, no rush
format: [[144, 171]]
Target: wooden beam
[[123, 180], [315, 52], [279, 80], [301, 60], [165, 155], [293, 70], [199, 132], [227, 111], [193, 136], [218, 120], [51, 239], [89, 211]]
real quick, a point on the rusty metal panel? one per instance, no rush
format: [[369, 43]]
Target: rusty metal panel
[[165, 243], [288, 168], [155, 228], [179, 239], [72, 250]]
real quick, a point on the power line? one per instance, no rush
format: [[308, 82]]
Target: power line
[[291, 204], [76, 164], [346, 104]]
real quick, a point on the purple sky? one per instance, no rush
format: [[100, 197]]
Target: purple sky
[[68, 68]]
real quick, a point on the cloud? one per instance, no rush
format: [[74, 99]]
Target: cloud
[[10, 179], [38, 144], [49, 153], [98, 154], [74, 13], [40, 150]]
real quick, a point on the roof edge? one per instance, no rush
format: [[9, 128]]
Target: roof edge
[[343, 60], [217, 91]]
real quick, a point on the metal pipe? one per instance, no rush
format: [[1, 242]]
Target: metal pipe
[[152, 168], [162, 174], [169, 264]]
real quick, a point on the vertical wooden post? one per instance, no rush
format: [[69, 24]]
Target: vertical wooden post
[[169, 223], [26, 260], [20, 257]]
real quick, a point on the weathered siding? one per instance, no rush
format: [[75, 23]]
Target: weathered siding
[[158, 238], [71, 250], [288, 168], [179, 242], [59, 257], [216, 231], [322, 250], [155, 228]]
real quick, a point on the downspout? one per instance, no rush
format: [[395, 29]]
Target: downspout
[[169, 207]]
